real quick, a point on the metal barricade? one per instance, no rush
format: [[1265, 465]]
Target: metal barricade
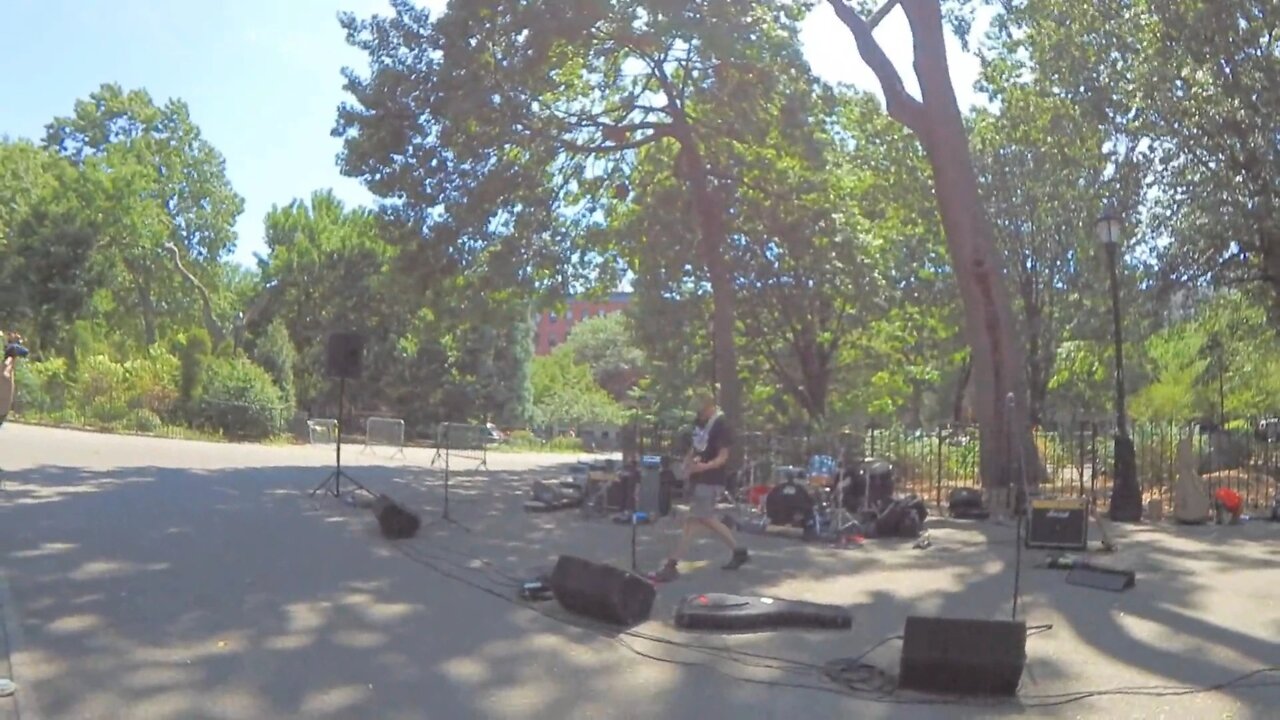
[[468, 442], [322, 431], [384, 431]]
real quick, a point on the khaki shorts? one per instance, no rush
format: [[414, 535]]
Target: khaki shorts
[[703, 502]]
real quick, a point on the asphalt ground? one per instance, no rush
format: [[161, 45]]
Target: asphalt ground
[[150, 578]]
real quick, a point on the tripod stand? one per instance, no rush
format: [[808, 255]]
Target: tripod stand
[[335, 478], [444, 515]]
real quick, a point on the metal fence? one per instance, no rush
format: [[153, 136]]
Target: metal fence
[[1244, 457]]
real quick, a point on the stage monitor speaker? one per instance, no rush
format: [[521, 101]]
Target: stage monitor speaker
[[1059, 524], [602, 592], [346, 355], [394, 520], [964, 657]]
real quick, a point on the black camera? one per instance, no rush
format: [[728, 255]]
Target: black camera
[[14, 349]]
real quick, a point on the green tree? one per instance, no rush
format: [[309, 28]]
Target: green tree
[[47, 279], [501, 124], [456, 350], [174, 206], [273, 350], [1043, 173], [997, 351], [328, 269], [607, 346], [565, 394], [1224, 360], [1188, 88]]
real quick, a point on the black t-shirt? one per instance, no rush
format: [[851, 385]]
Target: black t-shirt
[[719, 438]]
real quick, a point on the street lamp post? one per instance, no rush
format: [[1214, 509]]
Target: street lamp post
[[1126, 493]]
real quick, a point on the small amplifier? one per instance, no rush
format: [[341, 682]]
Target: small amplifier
[[1061, 524]]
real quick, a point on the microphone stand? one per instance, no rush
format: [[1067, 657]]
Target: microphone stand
[[1020, 502]]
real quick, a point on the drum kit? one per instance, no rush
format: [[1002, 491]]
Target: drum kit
[[827, 500]]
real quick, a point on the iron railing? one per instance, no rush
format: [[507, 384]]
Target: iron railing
[[1078, 459]]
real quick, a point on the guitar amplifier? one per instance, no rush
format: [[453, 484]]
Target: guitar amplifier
[[1061, 524]]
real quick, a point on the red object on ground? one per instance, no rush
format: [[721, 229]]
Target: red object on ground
[[756, 494], [1230, 499]]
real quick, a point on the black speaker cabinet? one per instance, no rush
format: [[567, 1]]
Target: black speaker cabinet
[[963, 657], [601, 592], [346, 354], [1059, 524], [394, 520]]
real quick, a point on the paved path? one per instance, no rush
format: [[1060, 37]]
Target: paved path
[[161, 579]]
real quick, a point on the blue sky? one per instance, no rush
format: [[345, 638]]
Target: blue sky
[[263, 78]]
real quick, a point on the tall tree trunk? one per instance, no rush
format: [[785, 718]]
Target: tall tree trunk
[[148, 306], [915, 411], [998, 368], [962, 387], [999, 371], [714, 240], [1037, 364]]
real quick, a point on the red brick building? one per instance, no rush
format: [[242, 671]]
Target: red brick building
[[554, 327]]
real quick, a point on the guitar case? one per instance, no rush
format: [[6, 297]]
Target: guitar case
[[719, 611]]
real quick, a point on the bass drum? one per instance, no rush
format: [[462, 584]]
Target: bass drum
[[789, 504]]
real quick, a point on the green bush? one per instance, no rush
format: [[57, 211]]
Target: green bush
[[239, 400], [565, 444], [196, 351], [41, 387], [524, 440], [145, 421], [101, 387], [153, 382]]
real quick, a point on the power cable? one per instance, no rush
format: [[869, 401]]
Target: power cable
[[848, 677]]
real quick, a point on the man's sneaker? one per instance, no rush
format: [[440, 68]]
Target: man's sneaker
[[740, 558], [666, 574]]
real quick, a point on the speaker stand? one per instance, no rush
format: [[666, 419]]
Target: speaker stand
[[1024, 508], [338, 475], [444, 514], [635, 512]]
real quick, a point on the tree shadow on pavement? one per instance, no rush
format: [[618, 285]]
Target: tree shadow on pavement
[[167, 592]]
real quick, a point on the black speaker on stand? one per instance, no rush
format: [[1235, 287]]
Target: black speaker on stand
[[345, 355], [448, 447]]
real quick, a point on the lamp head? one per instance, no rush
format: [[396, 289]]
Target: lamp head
[[1109, 227]]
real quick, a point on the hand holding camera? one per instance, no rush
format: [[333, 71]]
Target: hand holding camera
[[13, 347]]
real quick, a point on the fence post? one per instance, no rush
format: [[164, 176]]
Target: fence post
[[938, 477], [1093, 460], [1080, 453]]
